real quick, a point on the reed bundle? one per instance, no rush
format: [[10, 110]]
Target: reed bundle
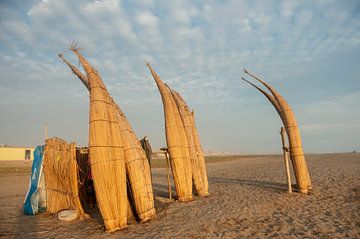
[[197, 162], [106, 152], [61, 176], [137, 169], [176, 140], [288, 118], [137, 166], [76, 71], [200, 155], [82, 156]]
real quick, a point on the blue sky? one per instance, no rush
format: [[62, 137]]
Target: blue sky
[[308, 50]]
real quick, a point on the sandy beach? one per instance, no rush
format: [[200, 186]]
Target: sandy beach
[[248, 199]]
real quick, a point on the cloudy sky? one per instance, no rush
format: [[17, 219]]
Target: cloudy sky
[[308, 50]]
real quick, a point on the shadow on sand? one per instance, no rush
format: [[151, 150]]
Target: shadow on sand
[[269, 186], [162, 190]]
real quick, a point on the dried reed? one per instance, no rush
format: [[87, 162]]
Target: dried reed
[[76, 71], [106, 152], [296, 151], [189, 126], [61, 176], [137, 166], [138, 170], [177, 144], [200, 155]]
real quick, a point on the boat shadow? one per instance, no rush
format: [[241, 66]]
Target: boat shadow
[[265, 185], [162, 189]]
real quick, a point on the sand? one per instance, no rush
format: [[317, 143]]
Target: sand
[[248, 200]]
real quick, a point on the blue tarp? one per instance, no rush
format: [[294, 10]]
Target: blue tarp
[[35, 200]]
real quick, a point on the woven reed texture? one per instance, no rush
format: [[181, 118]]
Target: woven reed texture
[[200, 155], [137, 167], [177, 144], [189, 125], [296, 150], [61, 176], [106, 153]]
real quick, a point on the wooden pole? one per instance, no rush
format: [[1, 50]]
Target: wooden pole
[[286, 159], [168, 174]]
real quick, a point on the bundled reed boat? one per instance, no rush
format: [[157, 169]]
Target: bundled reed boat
[[106, 152], [288, 118], [200, 155], [196, 155], [177, 144], [137, 167]]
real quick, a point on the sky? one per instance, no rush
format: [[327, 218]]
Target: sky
[[308, 50]]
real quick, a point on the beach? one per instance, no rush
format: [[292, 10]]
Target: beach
[[249, 199]]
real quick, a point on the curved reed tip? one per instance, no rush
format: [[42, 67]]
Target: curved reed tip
[[246, 71], [147, 63], [60, 55]]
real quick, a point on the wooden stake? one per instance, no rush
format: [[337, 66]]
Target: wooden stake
[[168, 174], [286, 159]]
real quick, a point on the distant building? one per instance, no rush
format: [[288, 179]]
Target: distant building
[[16, 153]]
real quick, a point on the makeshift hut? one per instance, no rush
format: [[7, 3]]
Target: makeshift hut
[[61, 177], [177, 145]]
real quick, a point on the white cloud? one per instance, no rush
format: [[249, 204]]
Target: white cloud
[[184, 14], [198, 47], [146, 19], [17, 30], [41, 8], [104, 6]]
